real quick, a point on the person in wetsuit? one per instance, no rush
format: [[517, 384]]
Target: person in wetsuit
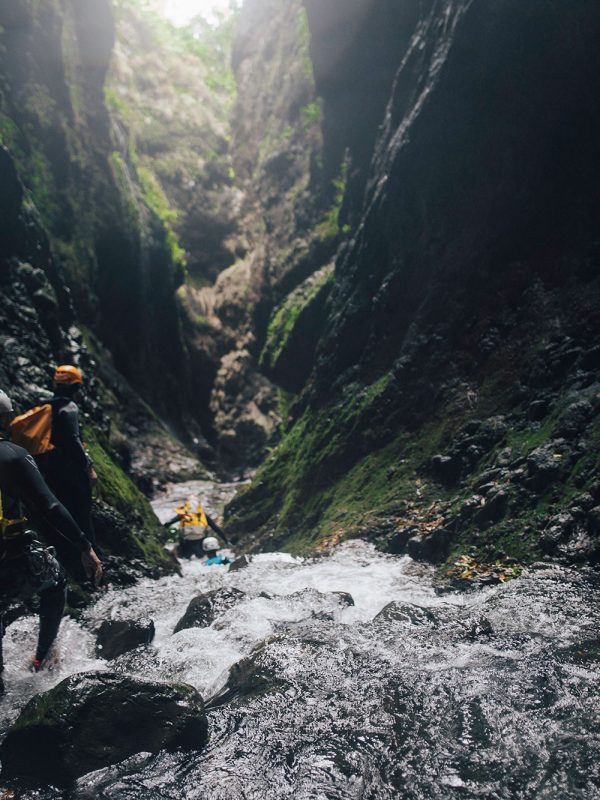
[[26, 566], [193, 527], [68, 468], [210, 546]]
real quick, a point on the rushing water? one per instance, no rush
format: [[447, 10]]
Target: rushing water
[[487, 695]]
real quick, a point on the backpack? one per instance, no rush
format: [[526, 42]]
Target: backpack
[[33, 430]]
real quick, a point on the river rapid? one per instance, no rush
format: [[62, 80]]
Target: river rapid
[[486, 695]]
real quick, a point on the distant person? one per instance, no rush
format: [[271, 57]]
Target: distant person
[[210, 546], [26, 566], [194, 523], [67, 467]]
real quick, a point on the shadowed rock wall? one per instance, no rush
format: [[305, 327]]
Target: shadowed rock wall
[[461, 319]]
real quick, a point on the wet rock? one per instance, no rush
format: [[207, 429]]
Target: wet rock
[[205, 608], [115, 637], [432, 547], [11, 192], [95, 719], [493, 510], [400, 539], [574, 419], [556, 531], [446, 469], [593, 520], [591, 358], [240, 563], [580, 547], [537, 410], [480, 628], [546, 464], [244, 403], [488, 479], [344, 598], [406, 613]]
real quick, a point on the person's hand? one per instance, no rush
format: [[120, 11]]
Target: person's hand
[[92, 475], [92, 565]]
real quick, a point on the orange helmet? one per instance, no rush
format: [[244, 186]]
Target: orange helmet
[[67, 375]]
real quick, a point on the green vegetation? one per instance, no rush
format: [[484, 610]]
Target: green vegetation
[[330, 228], [333, 475], [312, 114], [304, 43], [117, 490], [156, 200], [285, 317], [210, 43]]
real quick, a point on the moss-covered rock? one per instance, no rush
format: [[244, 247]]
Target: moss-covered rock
[[96, 719]]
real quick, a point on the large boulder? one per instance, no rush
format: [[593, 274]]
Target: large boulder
[[117, 636], [205, 608], [407, 614], [95, 719]]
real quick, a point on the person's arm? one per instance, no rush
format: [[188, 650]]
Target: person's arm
[[171, 521], [216, 528], [37, 496]]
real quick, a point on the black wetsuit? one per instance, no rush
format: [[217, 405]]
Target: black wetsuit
[[26, 567], [66, 467]]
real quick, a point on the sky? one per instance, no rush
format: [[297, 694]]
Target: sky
[[181, 11]]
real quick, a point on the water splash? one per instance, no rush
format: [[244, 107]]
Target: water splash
[[489, 695]]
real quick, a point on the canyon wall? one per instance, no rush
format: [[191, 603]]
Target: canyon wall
[[452, 399]]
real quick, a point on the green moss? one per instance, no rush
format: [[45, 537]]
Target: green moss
[[156, 199], [118, 490], [312, 114], [329, 228], [285, 317], [39, 179], [303, 30], [333, 474], [120, 173], [9, 132]]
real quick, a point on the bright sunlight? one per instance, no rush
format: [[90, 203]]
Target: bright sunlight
[[180, 12]]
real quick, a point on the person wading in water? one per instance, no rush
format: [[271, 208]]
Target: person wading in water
[[26, 566], [66, 466]]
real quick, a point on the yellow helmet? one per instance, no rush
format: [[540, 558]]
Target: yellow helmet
[[68, 375]]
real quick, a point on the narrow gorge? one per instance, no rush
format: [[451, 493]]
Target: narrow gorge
[[332, 267]]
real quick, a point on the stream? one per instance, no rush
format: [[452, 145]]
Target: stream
[[492, 694]]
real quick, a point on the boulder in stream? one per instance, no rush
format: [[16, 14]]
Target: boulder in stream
[[205, 608], [115, 637], [95, 719], [240, 563], [407, 614]]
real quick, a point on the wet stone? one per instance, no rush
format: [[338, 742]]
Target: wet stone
[[240, 563], [480, 628], [344, 598], [407, 614], [593, 520], [429, 547], [115, 637], [545, 464], [205, 608], [95, 719]]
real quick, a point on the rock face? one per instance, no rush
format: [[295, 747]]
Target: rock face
[[92, 720], [205, 608], [111, 241], [460, 331], [37, 332], [115, 637]]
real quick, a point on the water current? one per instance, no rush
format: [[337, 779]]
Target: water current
[[405, 694]]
